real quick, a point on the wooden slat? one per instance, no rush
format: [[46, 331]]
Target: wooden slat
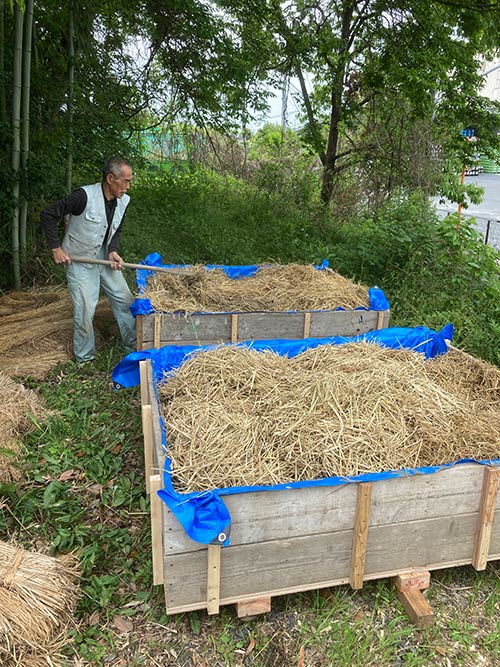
[[315, 510], [139, 331], [155, 484], [145, 400], [417, 607], [147, 430], [485, 518], [204, 328], [157, 331], [213, 578], [360, 537], [307, 325], [317, 586], [380, 319], [234, 328], [250, 608], [309, 562]]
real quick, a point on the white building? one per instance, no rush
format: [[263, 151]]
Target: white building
[[491, 88]]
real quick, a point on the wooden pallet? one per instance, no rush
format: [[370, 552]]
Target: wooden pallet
[[295, 540], [158, 329]]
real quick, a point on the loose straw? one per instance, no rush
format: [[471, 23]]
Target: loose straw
[[238, 417], [273, 288]]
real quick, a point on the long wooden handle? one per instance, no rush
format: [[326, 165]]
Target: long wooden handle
[[126, 265]]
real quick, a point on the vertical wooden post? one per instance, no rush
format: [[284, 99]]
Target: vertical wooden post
[[157, 330], [155, 484], [485, 518], [360, 537], [380, 319], [213, 578], [234, 328], [307, 325], [147, 430], [138, 331], [143, 375]]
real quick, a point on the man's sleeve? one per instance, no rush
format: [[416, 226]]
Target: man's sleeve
[[73, 204], [114, 244]]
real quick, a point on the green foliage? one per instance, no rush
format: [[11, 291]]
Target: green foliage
[[433, 271], [205, 217]]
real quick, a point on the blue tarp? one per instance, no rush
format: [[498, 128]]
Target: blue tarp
[[142, 306], [204, 515], [169, 357]]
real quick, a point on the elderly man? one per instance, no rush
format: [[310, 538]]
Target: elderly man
[[96, 215]]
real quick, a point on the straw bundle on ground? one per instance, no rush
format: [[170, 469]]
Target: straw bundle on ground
[[37, 597], [273, 288], [36, 330], [17, 404], [238, 417]]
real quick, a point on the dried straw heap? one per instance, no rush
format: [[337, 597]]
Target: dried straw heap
[[272, 288], [37, 596], [238, 417], [36, 330], [18, 407]]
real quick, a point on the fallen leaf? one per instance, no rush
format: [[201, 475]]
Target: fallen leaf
[[122, 625], [250, 647], [67, 474], [301, 656], [441, 650]]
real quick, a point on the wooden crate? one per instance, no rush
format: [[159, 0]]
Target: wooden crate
[[286, 541], [158, 329]]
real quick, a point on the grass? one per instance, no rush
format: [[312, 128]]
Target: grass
[[82, 487], [83, 491]]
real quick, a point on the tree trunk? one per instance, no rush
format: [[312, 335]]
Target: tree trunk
[[340, 72], [25, 125], [3, 103], [16, 139], [71, 94]]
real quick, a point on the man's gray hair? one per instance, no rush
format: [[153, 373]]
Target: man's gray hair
[[114, 166]]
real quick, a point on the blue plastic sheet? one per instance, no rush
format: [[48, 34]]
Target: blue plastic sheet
[[169, 357], [142, 306], [204, 515]]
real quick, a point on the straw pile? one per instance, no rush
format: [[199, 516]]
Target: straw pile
[[37, 597], [272, 288], [36, 330], [238, 417], [16, 405]]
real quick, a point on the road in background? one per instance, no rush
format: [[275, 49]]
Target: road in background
[[487, 213]]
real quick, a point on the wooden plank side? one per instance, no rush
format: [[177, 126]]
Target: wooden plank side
[[342, 322], [195, 328], [300, 563], [181, 328], [315, 510]]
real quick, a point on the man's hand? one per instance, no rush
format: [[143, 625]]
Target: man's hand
[[60, 256], [116, 261]]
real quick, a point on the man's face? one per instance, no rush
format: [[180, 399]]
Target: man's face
[[118, 185]]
